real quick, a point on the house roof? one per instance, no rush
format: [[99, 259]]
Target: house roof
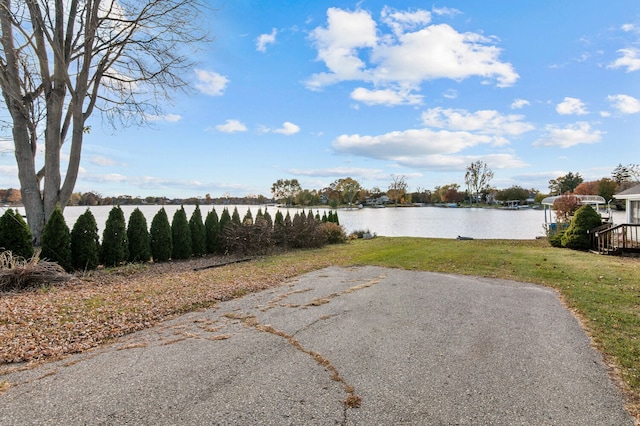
[[632, 193]]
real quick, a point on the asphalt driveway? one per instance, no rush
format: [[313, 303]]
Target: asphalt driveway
[[340, 346]]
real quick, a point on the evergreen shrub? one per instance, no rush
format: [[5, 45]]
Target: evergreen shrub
[[180, 235], [15, 235], [235, 216], [115, 244], [139, 237], [576, 236], [212, 231], [85, 245], [198, 233], [160, 234], [56, 240]]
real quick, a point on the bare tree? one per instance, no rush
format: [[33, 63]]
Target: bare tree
[[398, 187], [477, 178], [61, 60]]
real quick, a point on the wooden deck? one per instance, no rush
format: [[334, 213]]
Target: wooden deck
[[616, 239]]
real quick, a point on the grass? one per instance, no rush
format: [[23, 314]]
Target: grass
[[604, 291]]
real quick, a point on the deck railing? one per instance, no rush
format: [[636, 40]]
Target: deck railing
[[608, 239]]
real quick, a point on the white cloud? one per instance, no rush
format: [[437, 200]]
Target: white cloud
[[445, 11], [460, 162], [408, 143], [487, 122], [9, 170], [6, 145], [624, 103], [210, 82], [337, 46], [388, 97], [287, 129], [402, 21], [571, 106], [571, 135], [265, 39], [337, 172], [628, 27], [424, 148], [353, 47], [630, 59], [231, 126], [450, 94], [100, 160], [171, 118], [520, 103]]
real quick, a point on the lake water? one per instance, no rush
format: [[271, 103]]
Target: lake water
[[432, 222]]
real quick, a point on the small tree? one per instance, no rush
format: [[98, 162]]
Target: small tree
[[15, 235], [85, 245], [212, 230], [576, 236], [198, 233], [115, 244], [477, 178], [565, 207], [139, 238], [160, 233], [56, 240], [180, 235]]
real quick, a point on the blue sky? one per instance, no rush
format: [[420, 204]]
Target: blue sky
[[323, 90]]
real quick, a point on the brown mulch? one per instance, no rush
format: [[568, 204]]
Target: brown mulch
[[53, 321]]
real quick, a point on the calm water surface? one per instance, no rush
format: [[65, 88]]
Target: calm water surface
[[432, 222]]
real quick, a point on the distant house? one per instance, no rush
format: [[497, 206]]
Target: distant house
[[379, 201], [632, 196]]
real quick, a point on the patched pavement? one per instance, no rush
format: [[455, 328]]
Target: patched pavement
[[340, 346]]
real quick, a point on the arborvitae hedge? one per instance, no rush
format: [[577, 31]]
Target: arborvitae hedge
[[115, 244], [267, 217], [212, 229], [198, 233], [85, 245], [160, 233], [248, 217], [225, 218], [235, 216], [15, 235], [139, 238], [180, 235], [56, 240]]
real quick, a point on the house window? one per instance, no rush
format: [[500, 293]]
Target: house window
[[634, 211]]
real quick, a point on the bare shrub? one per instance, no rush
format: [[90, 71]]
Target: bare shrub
[[334, 233], [17, 273]]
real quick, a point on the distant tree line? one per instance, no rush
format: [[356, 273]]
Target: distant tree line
[[349, 191], [81, 248]]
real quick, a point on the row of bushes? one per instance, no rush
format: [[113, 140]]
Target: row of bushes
[[81, 248]]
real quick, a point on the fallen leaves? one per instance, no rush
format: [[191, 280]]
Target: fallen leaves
[[93, 308]]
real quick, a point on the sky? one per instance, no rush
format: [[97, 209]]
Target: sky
[[323, 90]]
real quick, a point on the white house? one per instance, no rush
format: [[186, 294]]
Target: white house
[[632, 195]]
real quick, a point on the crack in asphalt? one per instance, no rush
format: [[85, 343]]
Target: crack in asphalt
[[352, 400]]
